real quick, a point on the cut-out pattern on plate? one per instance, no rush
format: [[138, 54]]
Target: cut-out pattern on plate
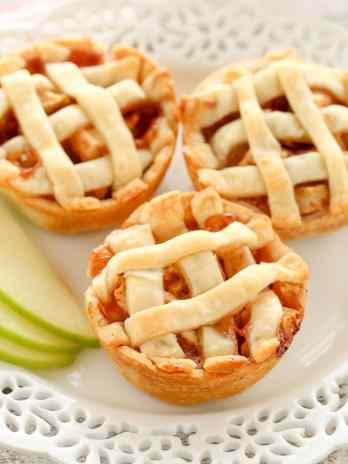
[[200, 32], [30, 410]]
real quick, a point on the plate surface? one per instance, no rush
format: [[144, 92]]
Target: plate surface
[[87, 412]]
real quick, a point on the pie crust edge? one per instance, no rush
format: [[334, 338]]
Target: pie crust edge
[[310, 226], [50, 215], [198, 385]]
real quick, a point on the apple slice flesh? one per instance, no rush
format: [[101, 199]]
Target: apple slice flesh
[[29, 285], [24, 332], [32, 359]]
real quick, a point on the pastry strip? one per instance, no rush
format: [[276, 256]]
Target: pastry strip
[[209, 307], [106, 116], [247, 181], [266, 315], [215, 343], [202, 270], [266, 152], [284, 126], [94, 174], [144, 289], [20, 91], [105, 74], [301, 101], [113, 71], [206, 204], [267, 88], [169, 252], [68, 120]]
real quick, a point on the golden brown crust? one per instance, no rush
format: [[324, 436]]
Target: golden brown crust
[[181, 388], [185, 389], [315, 224], [318, 222], [188, 386], [48, 213]]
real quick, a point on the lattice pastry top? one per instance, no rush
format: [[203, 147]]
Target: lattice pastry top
[[273, 133], [195, 286], [85, 132]]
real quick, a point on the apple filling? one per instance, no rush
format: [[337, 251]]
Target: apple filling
[[232, 330], [80, 124], [86, 143], [312, 197]]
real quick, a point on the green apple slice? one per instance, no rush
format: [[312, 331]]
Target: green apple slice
[[24, 332], [32, 359], [29, 285]]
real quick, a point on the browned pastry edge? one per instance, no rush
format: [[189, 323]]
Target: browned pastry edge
[[179, 388], [50, 215], [197, 386], [314, 224], [311, 225]]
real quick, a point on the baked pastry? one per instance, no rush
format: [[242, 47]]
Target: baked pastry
[[86, 134], [273, 133], [195, 298]]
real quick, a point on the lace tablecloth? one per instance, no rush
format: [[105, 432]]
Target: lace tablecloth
[[333, 10]]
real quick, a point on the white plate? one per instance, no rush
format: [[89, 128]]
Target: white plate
[[87, 412]]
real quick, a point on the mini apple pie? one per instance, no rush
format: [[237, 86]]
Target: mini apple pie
[[195, 298], [86, 134], [273, 133]]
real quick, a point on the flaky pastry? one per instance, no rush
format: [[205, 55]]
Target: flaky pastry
[[273, 133], [195, 298], [86, 134]]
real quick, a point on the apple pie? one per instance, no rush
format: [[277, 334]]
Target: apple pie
[[86, 133], [195, 298], [273, 133]]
